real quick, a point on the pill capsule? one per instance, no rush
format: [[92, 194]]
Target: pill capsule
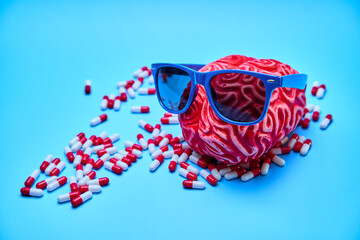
[[156, 162], [321, 91], [140, 109], [151, 146], [106, 141], [100, 181], [144, 74], [308, 108], [89, 142], [140, 70], [78, 144], [282, 142], [124, 83], [190, 168], [117, 103], [111, 101], [31, 179], [33, 192], [73, 184], [104, 102], [114, 168], [187, 174], [250, 174], [250, 165], [43, 184], [299, 144], [69, 154], [165, 140], [159, 151], [185, 155], [78, 157], [326, 121], [133, 145], [123, 95], [316, 113], [160, 137], [86, 156], [146, 126], [46, 162], [123, 162], [57, 183], [146, 91], [208, 177], [87, 87], [89, 166], [100, 119], [130, 91], [156, 131], [142, 141], [52, 165], [177, 139], [235, 174], [281, 150], [214, 171], [89, 176], [183, 146], [191, 184], [173, 163], [56, 171], [92, 188], [293, 140], [151, 79], [170, 153], [265, 166], [81, 199], [68, 196], [306, 121], [128, 155], [79, 172], [228, 169], [134, 151], [110, 150], [276, 159], [305, 147], [314, 88], [138, 82], [170, 114], [169, 120], [202, 161], [76, 138], [115, 137], [100, 162]]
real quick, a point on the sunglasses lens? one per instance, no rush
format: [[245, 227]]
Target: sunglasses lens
[[174, 87], [238, 96]]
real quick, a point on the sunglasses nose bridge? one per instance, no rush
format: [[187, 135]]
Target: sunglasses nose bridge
[[200, 78]]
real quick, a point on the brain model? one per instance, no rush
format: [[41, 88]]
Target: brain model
[[231, 144]]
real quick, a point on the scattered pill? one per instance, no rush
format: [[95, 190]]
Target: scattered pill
[[114, 168], [73, 184], [170, 153], [104, 103], [160, 137], [173, 163], [89, 142], [136, 152], [326, 121], [46, 162], [101, 161], [130, 91], [235, 174], [123, 96], [208, 177], [316, 113], [57, 170], [87, 87], [33, 192], [79, 172], [190, 168], [89, 176], [100, 119], [142, 141], [159, 151], [314, 88], [52, 165], [78, 144], [146, 91], [111, 101], [133, 145], [306, 121], [151, 79], [265, 166], [228, 169], [128, 155], [156, 162], [146, 126], [169, 120], [138, 82], [156, 131], [56, 184], [299, 144], [200, 160], [305, 147], [43, 184], [151, 146], [31, 179], [309, 108], [250, 174], [92, 188], [321, 91], [68, 196], [76, 138], [110, 150], [185, 155], [117, 103], [276, 159], [214, 171], [191, 184], [187, 174], [81, 199], [281, 150], [89, 166], [293, 140], [137, 72], [100, 181], [165, 140], [176, 139], [86, 156]]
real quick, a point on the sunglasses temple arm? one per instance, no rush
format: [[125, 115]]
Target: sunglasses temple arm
[[294, 81]]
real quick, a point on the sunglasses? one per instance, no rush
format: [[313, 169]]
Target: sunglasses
[[238, 97]]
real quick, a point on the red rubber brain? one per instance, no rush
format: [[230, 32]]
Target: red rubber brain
[[207, 134]]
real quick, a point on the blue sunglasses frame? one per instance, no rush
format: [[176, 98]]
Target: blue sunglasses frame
[[271, 82]]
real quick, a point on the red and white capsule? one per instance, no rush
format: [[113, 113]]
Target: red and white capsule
[[146, 126], [101, 161], [89, 166], [309, 108], [250, 165], [81, 199], [57, 170], [156, 131], [281, 150], [282, 142], [265, 166], [208, 177], [91, 188], [177, 139], [142, 141], [130, 91], [314, 88], [32, 192], [100, 119], [140, 109], [151, 146], [306, 121], [100, 181], [326, 121], [156, 163], [305, 147], [214, 171], [117, 103], [276, 159], [89, 176], [185, 155], [200, 160], [173, 163], [159, 151], [114, 168], [293, 140], [316, 113], [87, 87], [169, 120], [165, 140], [170, 153], [57, 183], [76, 138], [128, 155], [111, 101], [123, 95], [170, 114], [250, 174], [140, 70], [52, 165], [190, 168], [138, 82], [46, 162], [299, 144], [68, 196], [124, 83], [133, 145], [43, 184], [69, 154], [86, 156], [235, 174], [321, 91], [110, 150], [89, 142], [151, 79], [31, 179], [146, 91], [145, 73], [187, 174], [73, 184], [159, 138], [121, 161], [78, 144], [136, 152], [191, 184], [104, 102], [79, 172]]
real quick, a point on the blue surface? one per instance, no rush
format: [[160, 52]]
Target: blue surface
[[49, 48]]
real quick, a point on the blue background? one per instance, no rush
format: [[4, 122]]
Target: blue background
[[49, 48]]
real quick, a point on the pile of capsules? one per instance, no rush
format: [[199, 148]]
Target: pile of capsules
[[161, 145]]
